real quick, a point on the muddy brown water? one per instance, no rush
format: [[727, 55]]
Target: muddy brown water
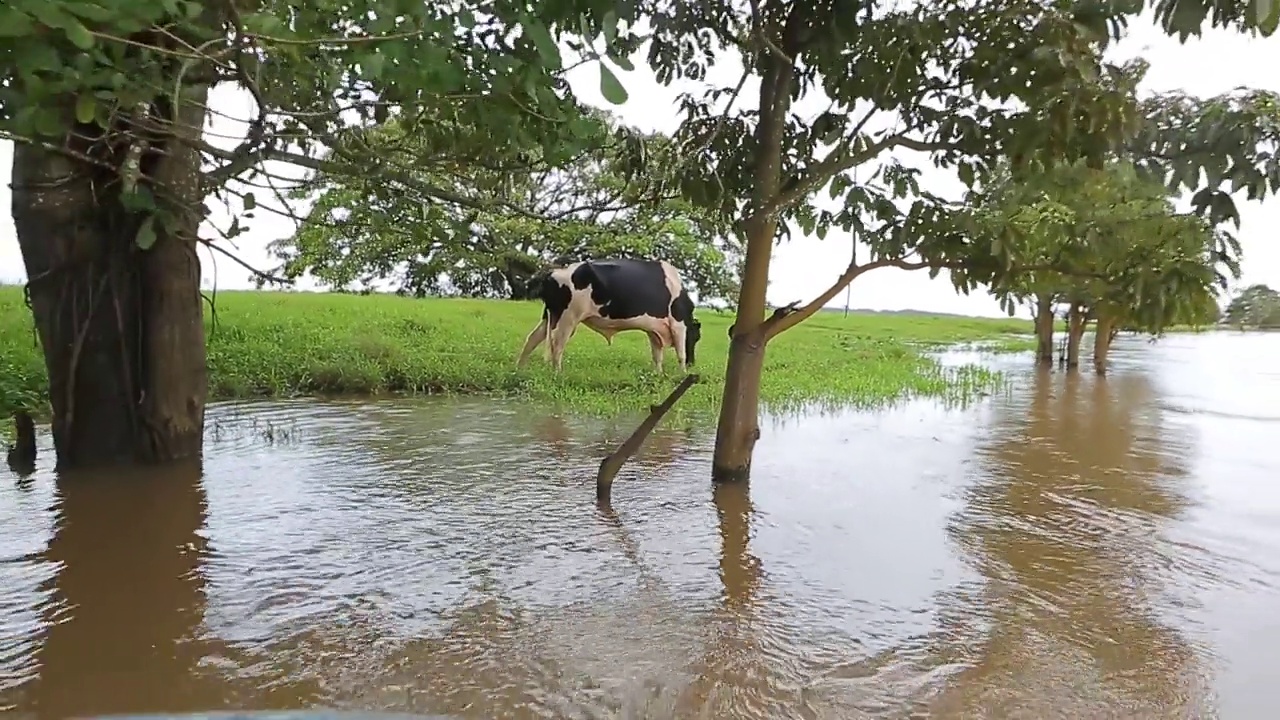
[[1073, 548]]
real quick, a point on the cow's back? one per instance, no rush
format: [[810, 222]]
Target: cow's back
[[626, 287]]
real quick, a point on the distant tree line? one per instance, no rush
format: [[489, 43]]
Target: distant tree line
[[1255, 307]]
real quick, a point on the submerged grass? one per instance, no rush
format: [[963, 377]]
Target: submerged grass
[[274, 344]]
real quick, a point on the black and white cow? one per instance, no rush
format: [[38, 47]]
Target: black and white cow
[[610, 296]]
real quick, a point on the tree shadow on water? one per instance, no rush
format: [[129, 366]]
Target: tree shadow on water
[[1064, 523]]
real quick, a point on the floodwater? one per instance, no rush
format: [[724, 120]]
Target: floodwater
[[1073, 548]]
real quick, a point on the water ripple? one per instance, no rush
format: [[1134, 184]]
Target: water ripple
[[1071, 548]]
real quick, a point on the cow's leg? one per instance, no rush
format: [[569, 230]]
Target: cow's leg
[[560, 335], [655, 346], [531, 343], [677, 338]]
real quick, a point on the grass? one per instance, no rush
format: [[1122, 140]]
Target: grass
[[273, 344]]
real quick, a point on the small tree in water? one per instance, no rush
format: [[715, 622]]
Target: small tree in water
[[1113, 247]]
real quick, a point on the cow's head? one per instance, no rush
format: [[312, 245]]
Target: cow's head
[[682, 310], [692, 334]]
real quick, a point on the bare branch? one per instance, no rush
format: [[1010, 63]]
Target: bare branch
[[256, 272], [784, 321]]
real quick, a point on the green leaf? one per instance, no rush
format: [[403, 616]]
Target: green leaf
[[966, 174], [78, 34], [147, 233], [621, 61], [48, 121], [15, 23], [91, 12], [610, 28], [86, 109], [542, 40], [139, 200], [372, 64], [610, 87], [250, 202]]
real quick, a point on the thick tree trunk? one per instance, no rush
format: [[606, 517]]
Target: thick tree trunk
[[122, 328], [1044, 330], [1103, 333], [1075, 332]]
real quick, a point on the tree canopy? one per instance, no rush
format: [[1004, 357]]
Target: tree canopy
[[1257, 306], [108, 99], [617, 198], [1108, 241]]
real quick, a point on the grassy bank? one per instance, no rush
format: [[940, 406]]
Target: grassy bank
[[265, 344]]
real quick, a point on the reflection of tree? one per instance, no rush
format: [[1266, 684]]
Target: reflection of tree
[[731, 679], [1062, 526], [123, 632]]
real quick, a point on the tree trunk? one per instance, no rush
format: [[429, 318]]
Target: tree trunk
[[1104, 332], [1044, 330], [1075, 332], [739, 425], [122, 328]]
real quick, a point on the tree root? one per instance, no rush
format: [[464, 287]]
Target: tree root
[[613, 462]]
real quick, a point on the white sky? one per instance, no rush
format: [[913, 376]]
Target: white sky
[[802, 268]]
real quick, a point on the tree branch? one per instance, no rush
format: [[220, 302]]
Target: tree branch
[[786, 320], [842, 159], [258, 274]]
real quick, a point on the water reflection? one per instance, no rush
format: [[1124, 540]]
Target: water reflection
[[1065, 524], [123, 628], [1073, 548]]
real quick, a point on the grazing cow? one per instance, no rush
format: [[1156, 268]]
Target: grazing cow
[[610, 296]]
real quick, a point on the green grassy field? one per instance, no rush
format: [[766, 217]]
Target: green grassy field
[[271, 344]]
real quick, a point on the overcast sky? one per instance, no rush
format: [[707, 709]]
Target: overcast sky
[[1219, 62]]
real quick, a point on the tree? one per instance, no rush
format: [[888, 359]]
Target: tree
[[1113, 248], [963, 82], [106, 101], [1257, 306], [606, 201]]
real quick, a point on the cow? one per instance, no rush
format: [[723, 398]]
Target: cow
[[610, 296]]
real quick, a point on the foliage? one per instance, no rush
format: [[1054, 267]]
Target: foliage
[[1256, 306], [22, 374], [604, 203], [112, 73], [944, 74], [279, 344], [1107, 240], [965, 82]]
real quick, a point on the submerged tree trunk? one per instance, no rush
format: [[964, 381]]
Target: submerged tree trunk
[[1075, 332], [122, 328], [1104, 333], [1044, 330], [739, 425]]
